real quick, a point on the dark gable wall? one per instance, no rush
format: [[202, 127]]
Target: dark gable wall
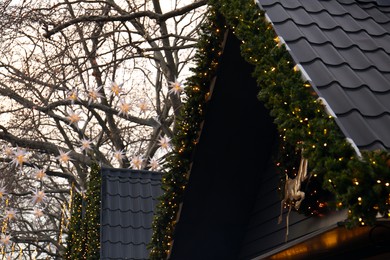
[[232, 155]]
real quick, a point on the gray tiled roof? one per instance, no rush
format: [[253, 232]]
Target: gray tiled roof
[[344, 47], [129, 198]]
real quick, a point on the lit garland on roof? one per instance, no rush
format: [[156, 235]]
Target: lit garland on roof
[[338, 177]]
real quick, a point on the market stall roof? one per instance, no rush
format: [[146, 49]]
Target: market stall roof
[[342, 48], [129, 198]]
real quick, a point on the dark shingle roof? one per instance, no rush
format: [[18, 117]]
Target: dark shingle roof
[[344, 47], [129, 198]]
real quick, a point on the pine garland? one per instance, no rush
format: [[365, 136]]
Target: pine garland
[[83, 240], [187, 132]]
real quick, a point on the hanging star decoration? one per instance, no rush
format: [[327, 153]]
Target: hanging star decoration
[[154, 164], [38, 197], [94, 94], [124, 107], [175, 88], [63, 156], [164, 142], [40, 173], [73, 95], [73, 117], [119, 155], [6, 240], [116, 89], [8, 151], [85, 144], [38, 213], [3, 191], [10, 214], [143, 106], [136, 162], [19, 157]]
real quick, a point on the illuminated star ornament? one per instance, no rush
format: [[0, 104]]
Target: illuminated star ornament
[[176, 88], [38, 213], [40, 173], [124, 108], [2, 191], [8, 152], [10, 214], [116, 89], [5, 240], [73, 95], [136, 162], [20, 157], [73, 117], [63, 156], [39, 196], [119, 155], [85, 144], [164, 142], [154, 164], [143, 106], [94, 94]]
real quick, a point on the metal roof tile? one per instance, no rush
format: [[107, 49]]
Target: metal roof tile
[[355, 58], [367, 131], [334, 9], [354, 10], [339, 38], [372, 27], [278, 14], [311, 6], [368, 43], [291, 32], [348, 23], [323, 20], [363, 99]]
